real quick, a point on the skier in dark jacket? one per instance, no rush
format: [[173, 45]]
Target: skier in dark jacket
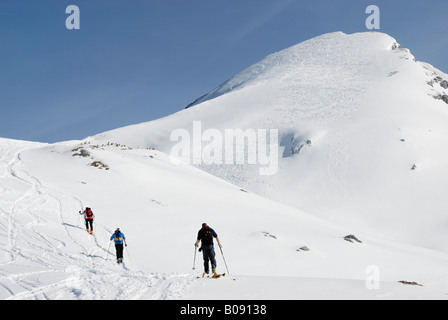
[[205, 236]]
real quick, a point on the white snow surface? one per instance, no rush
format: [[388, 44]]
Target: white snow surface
[[368, 109]]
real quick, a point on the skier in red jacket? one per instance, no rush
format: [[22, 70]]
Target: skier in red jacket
[[88, 217]]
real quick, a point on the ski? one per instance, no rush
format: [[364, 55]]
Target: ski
[[213, 276]]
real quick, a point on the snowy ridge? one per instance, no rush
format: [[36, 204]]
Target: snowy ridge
[[319, 54]]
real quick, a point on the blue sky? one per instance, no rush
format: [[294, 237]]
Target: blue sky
[[137, 60]]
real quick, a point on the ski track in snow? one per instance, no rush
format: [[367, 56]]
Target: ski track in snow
[[36, 264]]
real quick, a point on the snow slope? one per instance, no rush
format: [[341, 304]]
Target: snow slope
[[353, 96], [47, 254]]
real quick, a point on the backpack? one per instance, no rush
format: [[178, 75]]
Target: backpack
[[207, 236], [118, 236], [89, 213]]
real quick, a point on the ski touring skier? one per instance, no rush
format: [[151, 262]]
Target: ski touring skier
[[119, 238], [88, 218], [205, 236]]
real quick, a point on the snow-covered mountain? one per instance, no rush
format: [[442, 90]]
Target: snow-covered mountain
[[362, 133], [361, 150]]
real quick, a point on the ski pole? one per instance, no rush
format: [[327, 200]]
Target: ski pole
[[129, 256], [224, 260], [194, 260], [108, 249], [79, 217]]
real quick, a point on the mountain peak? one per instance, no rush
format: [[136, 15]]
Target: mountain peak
[[331, 49]]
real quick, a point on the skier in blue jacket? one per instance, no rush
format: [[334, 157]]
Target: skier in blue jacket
[[119, 239]]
